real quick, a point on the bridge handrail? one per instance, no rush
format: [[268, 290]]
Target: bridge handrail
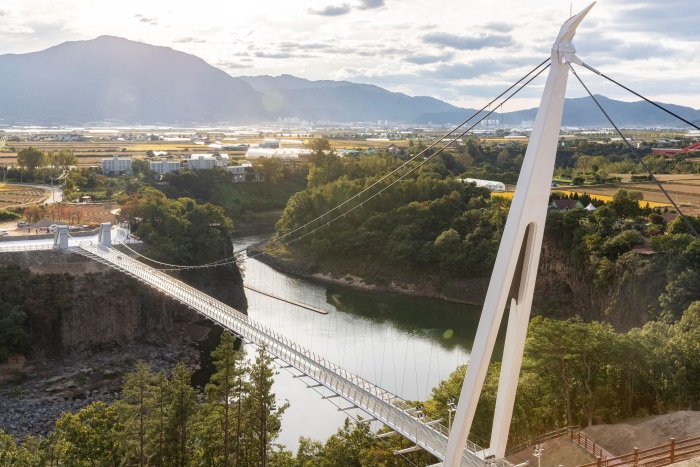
[[34, 247], [384, 406]]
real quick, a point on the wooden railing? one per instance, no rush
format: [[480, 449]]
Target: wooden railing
[[561, 432], [581, 439], [574, 433], [666, 454]]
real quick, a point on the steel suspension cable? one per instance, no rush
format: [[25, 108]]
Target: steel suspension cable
[[639, 159], [421, 153], [234, 259], [413, 169], [659, 106]]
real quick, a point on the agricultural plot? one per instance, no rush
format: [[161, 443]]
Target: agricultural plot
[[15, 195]]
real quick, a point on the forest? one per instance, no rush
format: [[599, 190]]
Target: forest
[[636, 356]]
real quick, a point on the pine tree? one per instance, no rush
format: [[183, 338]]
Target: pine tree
[[224, 394], [263, 416], [136, 407], [181, 410]]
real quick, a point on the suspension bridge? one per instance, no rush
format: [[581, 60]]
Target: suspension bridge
[[512, 284]]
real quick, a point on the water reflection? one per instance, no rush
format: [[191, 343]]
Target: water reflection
[[404, 344]]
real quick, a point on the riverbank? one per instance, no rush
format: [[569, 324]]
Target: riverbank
[[429, 285], [34, 393]]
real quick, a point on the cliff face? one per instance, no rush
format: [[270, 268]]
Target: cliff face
[[627, 297], [75, 304], [562, 289]]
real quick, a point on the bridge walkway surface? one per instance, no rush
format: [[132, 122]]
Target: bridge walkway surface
[[382, 405]]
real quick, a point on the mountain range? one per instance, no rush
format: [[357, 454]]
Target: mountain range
[[111, 80]]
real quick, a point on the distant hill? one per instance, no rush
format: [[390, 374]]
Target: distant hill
[[343, 101], [110, 79], [115, 80], [583, 112]]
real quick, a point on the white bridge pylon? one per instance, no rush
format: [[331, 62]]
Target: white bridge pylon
[[513, 278]]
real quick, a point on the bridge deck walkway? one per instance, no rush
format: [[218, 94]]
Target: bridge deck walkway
[[378, 403]]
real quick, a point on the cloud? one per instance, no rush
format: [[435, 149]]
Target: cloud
[[332, 10], [190, 40], [143, 19], [232, 65], [371, 4], [15, 29], [301, 46], [274, 55], [499, 26], [673, 18], [281, 55], [427, 59], [477, 42], [477, 68], [594, 46]]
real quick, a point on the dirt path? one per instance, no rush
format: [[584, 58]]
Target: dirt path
[[646, 432], [556, 452]]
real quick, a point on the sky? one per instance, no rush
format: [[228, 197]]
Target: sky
[[461, 51]]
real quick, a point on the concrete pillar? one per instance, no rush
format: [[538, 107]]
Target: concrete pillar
[[60, 239], [105, 235]]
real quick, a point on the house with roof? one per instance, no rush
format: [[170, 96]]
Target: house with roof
[[566, 204], [669, 217], [243, 172]]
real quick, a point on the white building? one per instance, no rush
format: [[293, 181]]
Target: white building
[[206, 161], [117, 166], [239, 172], [282, 153], [491, 185], [164, 166]]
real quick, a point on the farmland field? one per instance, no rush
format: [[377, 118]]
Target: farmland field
[[684, 189], [18, 195]]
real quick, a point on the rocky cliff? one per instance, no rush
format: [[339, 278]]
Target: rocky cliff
[[626, 297], [75, 304], [88, 324]]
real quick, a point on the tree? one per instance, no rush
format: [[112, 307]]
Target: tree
[[226, 387], [263, 414], [136, 408], [678, 225], [91, 436], [655, 218], [548, 351], [621, 243], [272, 168], [13, 336], [626, 203], [181, 410], [63, 159], [30, 158], [13, 455]]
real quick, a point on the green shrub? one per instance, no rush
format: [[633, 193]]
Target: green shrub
[[6, 215]]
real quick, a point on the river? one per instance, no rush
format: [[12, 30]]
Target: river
[[404, 344]]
